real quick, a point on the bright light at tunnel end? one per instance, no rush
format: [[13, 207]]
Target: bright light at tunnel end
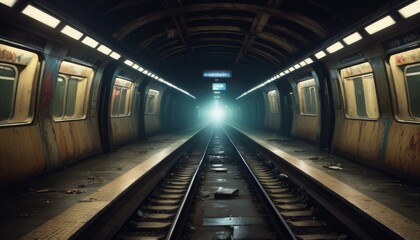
[[217, 114]]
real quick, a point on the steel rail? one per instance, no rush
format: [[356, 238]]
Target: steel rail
[[279, 222], [174, 230]]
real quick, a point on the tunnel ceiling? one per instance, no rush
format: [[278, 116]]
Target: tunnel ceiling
[[178, 39]]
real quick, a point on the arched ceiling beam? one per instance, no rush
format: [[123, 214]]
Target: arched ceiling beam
[[179, 22], [281, 42], [256, 28], [274, 27], [162, 44], [299, 19]]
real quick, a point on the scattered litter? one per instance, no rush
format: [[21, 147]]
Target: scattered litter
[[139, 213], [88, 200], [80, 186], [218, 169], [74, 191], [217, 165], [46, 190], [226, 192], [314, 158], [333, 167]]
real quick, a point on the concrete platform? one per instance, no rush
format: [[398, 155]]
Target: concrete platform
[[57, 205], [391, 201]]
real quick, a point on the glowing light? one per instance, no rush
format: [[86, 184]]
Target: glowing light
[[90, 42], [71, 32], [335, 47], [40, 16], [9, 3], [380, 25], [309, 61], [352, 38], [129, 62], [410, 10], [217, 113], [320, 54], [104, 49], [115, 55]]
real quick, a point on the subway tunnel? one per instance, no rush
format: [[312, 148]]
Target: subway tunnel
[[101, 100]]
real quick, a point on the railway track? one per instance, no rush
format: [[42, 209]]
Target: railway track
[[215, 192]]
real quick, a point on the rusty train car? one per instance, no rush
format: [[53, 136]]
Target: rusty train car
[[62, 102], [361, 102]]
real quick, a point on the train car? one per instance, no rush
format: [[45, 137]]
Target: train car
[[360, 98], [62, 100]]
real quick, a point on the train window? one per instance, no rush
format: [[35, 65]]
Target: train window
[[8, 80], [273, 101], [121, 98], [359, 92], [405, 69], [412, 79], [152, 101], [307, 94], [18, 75], [71, 91]]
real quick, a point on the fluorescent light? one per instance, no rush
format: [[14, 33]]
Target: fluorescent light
[[352, 38], [153, 75], [141, 69], [320, 54], [71, 32], [128, 62], [286, 72], [9, 3], [335, 47], [297, 66], [291, 69], [380, 25], [104, 49], [309, 61], [281, 74], [149, 74], [145, 71], [135, 66], [410, 10], [90, 42], [115, 55], [156, 77], [40, 16], [302, 64]]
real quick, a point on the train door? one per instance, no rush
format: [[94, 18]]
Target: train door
[[285, 108]]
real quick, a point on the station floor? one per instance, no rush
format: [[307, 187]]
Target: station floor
[[392, 201], [39, 204]]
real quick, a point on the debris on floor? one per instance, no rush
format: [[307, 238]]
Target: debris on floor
[[45, 190], [226, 192], [334, 167]]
